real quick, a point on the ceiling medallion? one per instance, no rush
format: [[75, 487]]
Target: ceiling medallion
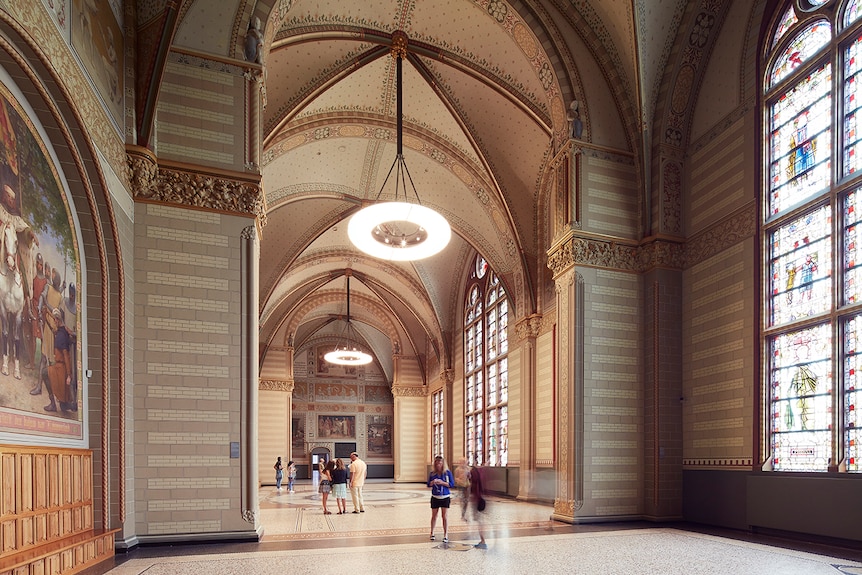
[[346, 351], [399, 230]]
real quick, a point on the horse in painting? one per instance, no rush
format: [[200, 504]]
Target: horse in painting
[[11, 299]]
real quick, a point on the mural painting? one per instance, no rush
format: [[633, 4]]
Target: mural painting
[[336, 391], [336, 426], [39, 269], [380, 435], [378, 394], [98, 41], [298, 435]]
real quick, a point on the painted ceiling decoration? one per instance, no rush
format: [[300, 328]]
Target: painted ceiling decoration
[[488, 91]]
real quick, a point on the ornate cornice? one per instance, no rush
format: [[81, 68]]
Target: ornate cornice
[[197, 189], [276, 385], [409, 391], [726, 233], [529, 327]]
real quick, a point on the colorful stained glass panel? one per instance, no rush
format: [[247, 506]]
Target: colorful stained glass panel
[[852, 12], [801, 266], [801, 377], [800, 141], [852, 102], [805, 45], [852, 239], [788, 20], [853, 393]]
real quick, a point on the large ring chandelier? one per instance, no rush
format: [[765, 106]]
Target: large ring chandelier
[[399, 230], [346, 351]]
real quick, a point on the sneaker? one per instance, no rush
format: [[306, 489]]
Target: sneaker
[[432, 538], [356, 511], [481, 545], [445, 540]]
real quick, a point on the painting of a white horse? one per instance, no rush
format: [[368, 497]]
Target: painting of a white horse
[[11, 298]]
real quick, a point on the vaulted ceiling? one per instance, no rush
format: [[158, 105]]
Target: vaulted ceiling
[[487, 85]]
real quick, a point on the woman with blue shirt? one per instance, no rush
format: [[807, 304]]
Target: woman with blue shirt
[[440, 481]]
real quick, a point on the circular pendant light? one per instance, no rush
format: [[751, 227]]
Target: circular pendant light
[[396, 230], [346, 351]]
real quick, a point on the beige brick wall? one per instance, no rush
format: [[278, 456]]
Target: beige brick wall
[[187, 370], [612, 409], [718, 359], [545, 400]]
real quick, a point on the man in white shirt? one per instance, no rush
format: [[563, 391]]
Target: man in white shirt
[[358, 471]]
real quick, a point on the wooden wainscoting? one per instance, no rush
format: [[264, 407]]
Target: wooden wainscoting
[[46, 511]]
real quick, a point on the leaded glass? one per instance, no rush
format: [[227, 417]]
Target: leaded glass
[[492, 437], [801, 141], [492, 384], [470, 442], [801, 376], [504, 380], [853, 392], [504, 435], [480, 440], [788, 20], [852, 239], [481, 267], [801, 264], [492, 333], [852, 135], [805, 45], [852, 12], [504, 326]]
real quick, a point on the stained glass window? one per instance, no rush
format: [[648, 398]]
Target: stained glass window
[[853, 392], [801, 141], [852, 12], [801, 264], [788, 20], [437, 423], [805, 45], [811, 231], [801, 378], [852, 136], [486, 368]]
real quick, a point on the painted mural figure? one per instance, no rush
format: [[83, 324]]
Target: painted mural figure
[[57, 376]]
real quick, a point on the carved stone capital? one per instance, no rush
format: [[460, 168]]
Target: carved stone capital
[[197, 189], [529, 327], [592, 252], [276, 385], [143, 169], [409, 391], [248, 516], [448, 376]]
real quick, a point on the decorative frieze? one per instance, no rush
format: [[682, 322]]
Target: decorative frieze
[[276, 385], [723, 235], [197, 189], [409, 391]]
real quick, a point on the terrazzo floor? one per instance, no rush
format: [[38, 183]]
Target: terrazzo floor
[[392, 537]]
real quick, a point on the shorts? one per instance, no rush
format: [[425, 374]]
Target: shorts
[[438, 502], [324, 487]]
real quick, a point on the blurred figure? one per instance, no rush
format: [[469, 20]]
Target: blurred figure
[[462, 484], [478, 505]]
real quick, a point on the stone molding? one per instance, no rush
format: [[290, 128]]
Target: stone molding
[[196, 189], [656, 252], [276, 385], [409, 391], [447, 376]]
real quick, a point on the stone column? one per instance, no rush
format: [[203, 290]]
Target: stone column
[[250, 256], [527, 331], [447, 376]]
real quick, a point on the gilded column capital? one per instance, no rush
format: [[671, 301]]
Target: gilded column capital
[[529, 327], [276, 385]]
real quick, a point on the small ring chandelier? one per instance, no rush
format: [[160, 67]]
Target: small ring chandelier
[[396, 230], [346, 352]]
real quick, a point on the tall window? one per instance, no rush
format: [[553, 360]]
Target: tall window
[[437, 415], [812, 310], [486, 368]]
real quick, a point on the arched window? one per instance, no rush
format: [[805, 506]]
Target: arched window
[[812, 314], [486, 368]]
